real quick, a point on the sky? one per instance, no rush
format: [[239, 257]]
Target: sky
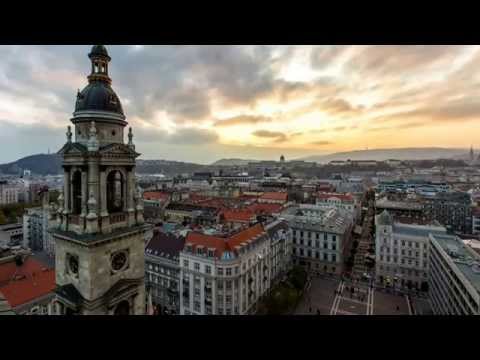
[[204, 103]]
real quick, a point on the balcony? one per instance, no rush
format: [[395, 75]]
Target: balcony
[[118, 218], [74, 219]]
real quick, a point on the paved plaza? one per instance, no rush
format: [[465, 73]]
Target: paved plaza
[[335, 297]]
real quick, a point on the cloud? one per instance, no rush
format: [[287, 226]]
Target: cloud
[[321, 143], [277, 136], [324, 56], [400, 60], [181, 137], [242, 120]]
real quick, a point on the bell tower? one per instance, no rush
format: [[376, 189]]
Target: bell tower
[[100, 230]]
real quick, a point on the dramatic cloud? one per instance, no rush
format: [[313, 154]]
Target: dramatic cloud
[[275, 135], [243, 120], [240, 100]]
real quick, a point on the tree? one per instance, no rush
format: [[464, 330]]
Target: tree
[[3, 218], [298, 277]]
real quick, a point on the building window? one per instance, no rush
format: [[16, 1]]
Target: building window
[[334, 238], [229, 271], [196, 306], [185, 263], [220, 271], [197, 266], [236, 270], [208, 269], [334, 259]]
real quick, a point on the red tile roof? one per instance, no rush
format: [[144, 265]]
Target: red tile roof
[[267, 209], [155, 195], [343, 197], [238, 215], [33, 280], [274, 196], [223, 244]]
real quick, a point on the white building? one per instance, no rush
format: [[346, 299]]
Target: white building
[[454, 282], [36, 223], [401, 252], [228, 275], [340, 201], [8, 193], [320, 236]]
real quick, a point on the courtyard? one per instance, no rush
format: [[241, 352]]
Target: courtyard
[[337, 297]]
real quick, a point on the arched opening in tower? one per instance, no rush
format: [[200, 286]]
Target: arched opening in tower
[[115, 192], [123, 308], [77, 193]]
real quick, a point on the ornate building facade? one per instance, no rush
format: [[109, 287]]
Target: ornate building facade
[[100, 230]]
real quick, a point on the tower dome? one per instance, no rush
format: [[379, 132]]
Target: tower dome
[[98, 99], [99, 103], [99, 50]]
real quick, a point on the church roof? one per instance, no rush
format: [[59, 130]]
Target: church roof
[[99, 50], [98, 96]]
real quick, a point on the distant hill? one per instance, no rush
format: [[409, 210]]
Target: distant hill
[[51, 164], [430, 153], [41, 164], [232, 162]]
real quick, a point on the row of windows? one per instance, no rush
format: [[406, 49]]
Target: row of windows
[[316, 255], [394, 259], [404, 243], [384, 249], [315, 244], [316, 235], [162, 270], [403, 271]]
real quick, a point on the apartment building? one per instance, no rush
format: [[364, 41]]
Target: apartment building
[[344, 201], [402, 251], [162, 267], [8, 193], [227, 275], [320, 236], [454, 282]]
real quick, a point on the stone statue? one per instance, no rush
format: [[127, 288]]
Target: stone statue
[[93, 143], [69, 134]]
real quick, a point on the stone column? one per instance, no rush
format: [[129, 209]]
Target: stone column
[[103, 194], [130, 193], [66, 191], [84, 197], [93, 182]]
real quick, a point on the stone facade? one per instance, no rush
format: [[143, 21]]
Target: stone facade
[[100, 232]]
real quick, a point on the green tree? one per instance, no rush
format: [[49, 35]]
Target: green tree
[[3, 218]]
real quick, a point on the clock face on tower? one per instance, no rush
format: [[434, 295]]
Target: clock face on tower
[[119, 260], [73, 264]]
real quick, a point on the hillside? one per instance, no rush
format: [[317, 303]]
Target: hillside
[[50, 164], [41, 164], [385, 154], [232, 162]]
